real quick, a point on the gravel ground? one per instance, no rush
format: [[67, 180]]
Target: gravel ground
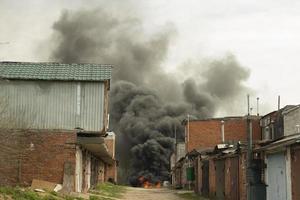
[[150, 194]]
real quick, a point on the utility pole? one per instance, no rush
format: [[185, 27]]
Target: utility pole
[[249, 150], [175, 144]]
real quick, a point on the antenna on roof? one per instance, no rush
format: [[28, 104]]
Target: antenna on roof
[[278, 102], [248, 102], [257, 105]]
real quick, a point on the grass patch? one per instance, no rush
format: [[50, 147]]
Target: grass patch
[[15, 193], [20, 194], [109, 190], [191, 196]]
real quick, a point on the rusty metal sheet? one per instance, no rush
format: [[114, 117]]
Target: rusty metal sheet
[[205, 178], [295, 169], [234, 178], [220, 179]]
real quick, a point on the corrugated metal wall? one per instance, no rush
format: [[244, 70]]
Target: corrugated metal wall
[[54, 105]]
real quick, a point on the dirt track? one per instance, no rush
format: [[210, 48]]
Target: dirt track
[[150, 194]]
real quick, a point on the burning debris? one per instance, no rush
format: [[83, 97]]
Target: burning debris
[[147, 183], [147, 103]]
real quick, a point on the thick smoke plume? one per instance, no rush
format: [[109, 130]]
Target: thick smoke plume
[[147, 104]]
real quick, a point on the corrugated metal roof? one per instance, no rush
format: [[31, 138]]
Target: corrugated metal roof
[[55, 71]]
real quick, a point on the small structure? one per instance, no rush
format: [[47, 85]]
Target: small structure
[[281, 153], [54, 120]]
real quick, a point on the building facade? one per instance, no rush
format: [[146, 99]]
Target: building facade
[[54, 119]]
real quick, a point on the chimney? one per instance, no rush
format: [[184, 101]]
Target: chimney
[[222, 131]]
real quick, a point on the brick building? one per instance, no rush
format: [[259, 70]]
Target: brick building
[[220, 159], [53, 121], [201, 134]]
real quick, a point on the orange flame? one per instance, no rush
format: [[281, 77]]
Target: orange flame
[[147, 184], [158, 185]]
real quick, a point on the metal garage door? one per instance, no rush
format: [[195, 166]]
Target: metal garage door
[[276, 177]]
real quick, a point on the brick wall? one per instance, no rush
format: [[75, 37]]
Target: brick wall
[[26, 155], [111, 172], [207, 133]]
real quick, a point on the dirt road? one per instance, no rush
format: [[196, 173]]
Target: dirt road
[[150, 194]]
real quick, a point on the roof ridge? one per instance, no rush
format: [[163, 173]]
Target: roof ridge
[[55, 71]]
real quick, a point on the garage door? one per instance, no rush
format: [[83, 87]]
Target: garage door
[[276, 177]]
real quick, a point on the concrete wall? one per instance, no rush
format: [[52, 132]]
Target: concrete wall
[[292, 122], [55, 104], [180, 148]]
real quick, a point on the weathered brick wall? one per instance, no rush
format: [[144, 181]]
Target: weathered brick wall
[[207, 133], [203, 134], [26, 155], [111, 172], [110, 143]]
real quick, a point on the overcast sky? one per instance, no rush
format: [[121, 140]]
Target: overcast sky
[[264, 35]]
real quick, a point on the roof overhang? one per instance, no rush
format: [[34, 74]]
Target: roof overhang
[[287, 141], [97, 147]]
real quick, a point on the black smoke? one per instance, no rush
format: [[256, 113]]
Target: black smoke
[[146, 103]]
